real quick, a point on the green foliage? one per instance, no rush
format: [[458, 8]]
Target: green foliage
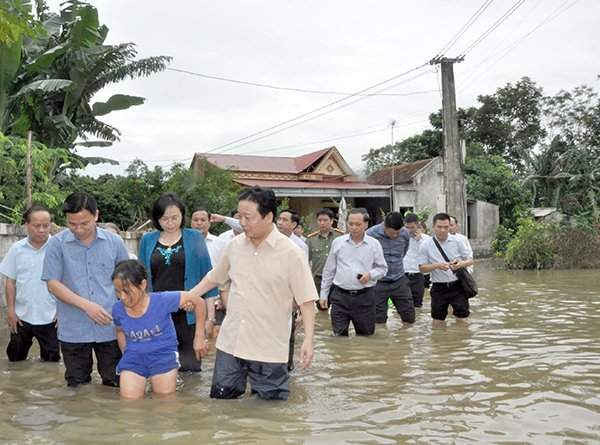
[[532, 246], [503, 236]]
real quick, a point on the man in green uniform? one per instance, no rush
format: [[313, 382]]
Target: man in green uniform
[[319, 243]]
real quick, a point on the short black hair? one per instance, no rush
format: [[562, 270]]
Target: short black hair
[[453, 219], [441, 217], [130, 271], [160, 206], [326, 211], [233, 213], [264, 199], [34, 208], [293, 215], [393, 220], [361, 211], [201, 210], [410, 218], [78, 201]]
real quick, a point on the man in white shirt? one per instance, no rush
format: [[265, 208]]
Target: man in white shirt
[[31, 309], [455, 230], [287, 221], [416, 280]]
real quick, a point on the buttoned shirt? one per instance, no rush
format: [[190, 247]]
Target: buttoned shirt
[[301, 244], [85, 270], [463, 239], [411, 259], [264, 282], [23, 263], [347, 259], [454, 249], [318, 249], [393, 250]]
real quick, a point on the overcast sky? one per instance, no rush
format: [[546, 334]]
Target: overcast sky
[[341, 46]]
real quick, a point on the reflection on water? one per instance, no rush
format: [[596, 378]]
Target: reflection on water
[[526, 369]]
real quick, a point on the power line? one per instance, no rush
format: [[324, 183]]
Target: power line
[[300, 90], [464, 28], [495, 25], [330, 104], [309, 118]]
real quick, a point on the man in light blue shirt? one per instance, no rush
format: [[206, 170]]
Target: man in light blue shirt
[[78, 267], [416, 280], [31, 310], [394, 239], [354, 265]]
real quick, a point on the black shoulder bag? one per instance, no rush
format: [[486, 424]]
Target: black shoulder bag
[[464, 276]]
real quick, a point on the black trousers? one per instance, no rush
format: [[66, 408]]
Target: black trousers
[[78, 362], [269, 380], [356, 308], [317, 279], [185, 339], [290, 364], [444, 295], [416, 282], [20, 343], [399, 292]]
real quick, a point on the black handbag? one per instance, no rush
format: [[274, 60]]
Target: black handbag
[[467, 281]]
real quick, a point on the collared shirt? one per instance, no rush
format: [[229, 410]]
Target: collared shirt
[[318, 249], [301, 244], [85, 270], [227, 237], [347, 259], [23, 263], [265, 280], [215, 247], [411, 259], [463, 239], [429, 253], [393, 250]]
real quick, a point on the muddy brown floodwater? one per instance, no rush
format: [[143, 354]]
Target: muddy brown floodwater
[[526, 369]]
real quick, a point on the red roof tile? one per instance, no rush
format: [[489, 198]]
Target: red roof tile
[[308, 184]]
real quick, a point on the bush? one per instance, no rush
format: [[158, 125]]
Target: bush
[[503, 237], [531, 248]]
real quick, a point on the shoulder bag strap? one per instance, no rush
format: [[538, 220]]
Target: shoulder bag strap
[[440, 249]]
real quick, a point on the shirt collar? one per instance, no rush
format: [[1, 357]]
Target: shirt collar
[[35, 248], [100, 233], [349, 239]]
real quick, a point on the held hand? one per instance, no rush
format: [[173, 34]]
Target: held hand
[[188, 306], [365, 278], [216, 218], [443, 266], [13, 321], [219, 304], [200, 346], [455, 265], [208, 328], [323, 303], [306, 353], [98, 314]]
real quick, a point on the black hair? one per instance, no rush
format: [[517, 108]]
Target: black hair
[[326, 211], [441, 217], [160, 206], [130, 271], [264, 199], [393, 220], [453, 218], [293, 216], [34, 208], [78, 201], [202, 210], [360, 211], [410, 218], [233, 213]]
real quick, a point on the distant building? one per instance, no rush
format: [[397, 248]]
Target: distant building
[[311, 181], [547, 214]]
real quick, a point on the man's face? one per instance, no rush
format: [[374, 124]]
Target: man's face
[[82, 224], [38, 227], [411, 227], [356, 224], [441, 229], [285, 224], [325, 223], [453, 226], [200, 221], [391, 233], [254, 225], [299, 231]]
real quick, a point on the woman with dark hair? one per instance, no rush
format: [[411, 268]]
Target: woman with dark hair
[[176, 259]]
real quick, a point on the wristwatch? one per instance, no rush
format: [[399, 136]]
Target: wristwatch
[[212, 320]]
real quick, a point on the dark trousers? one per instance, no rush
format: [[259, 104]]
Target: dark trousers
[[185, 339], [20, 343], [290, 364], [416, 283], [444, 295], [78, 362], [399, 292], [357, 308], [317, 279], [269, 380]]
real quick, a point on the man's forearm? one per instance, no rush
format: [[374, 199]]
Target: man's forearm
[[10, 289], [308, 318], [426, 268], [66, 295]]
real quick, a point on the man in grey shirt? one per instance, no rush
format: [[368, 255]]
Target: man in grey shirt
[[446, 290], [354, 264], [394, 239]]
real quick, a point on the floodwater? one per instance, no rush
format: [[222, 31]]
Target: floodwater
[[526, 369]]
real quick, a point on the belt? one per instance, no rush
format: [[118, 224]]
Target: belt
[[447, 284], [412, 274], [353, 292]]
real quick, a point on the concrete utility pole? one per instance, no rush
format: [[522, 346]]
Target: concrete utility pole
[[454, 178]]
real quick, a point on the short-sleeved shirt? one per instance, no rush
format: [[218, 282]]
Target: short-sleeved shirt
[[168, 267], [393, 250], [411, 259], [24, 263], [318, 249], [454, 249], [265, 280], [86, 271], [154, 331], [301, 244]]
